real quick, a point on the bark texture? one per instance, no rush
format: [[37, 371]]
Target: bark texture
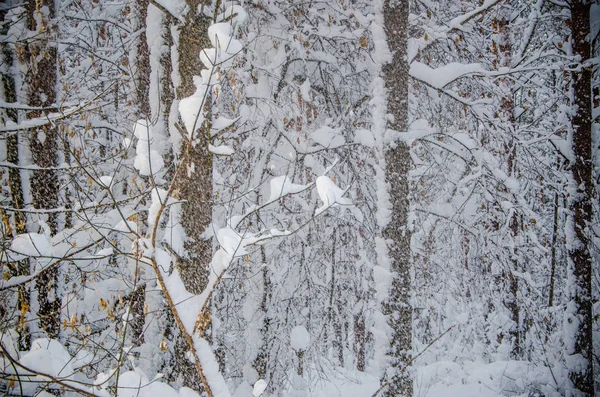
[[195, 185], [43, 143], [397, 158], [582, 375], [15, 184]]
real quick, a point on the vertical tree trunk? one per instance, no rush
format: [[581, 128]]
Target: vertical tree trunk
[[142, 69], [579, 309], [43, 143], [261, 362], [397, 160], [553, 259], [15, 185], [195, 185], [141, 81], [359, 340], [503, 53]]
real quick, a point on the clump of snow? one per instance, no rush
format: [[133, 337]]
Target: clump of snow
[[281, 186], [330, 194], [30, 244], [299, 338], [222, 150], [305, 90], [328, 137], [136, 384], [364, 137], [443, 75], [148, 160], [106, 180], [259, 388], [190, 109]]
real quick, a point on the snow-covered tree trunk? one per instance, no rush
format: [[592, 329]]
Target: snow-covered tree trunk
[[397, 160], [15, 185], [579, 320], [502, 48], [141, 87], [195, 185], [43, 142]]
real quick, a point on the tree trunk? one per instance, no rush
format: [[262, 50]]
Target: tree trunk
[[15, 185], [261, 362], [579, 309], [43, 143], [397, 159], [507, 105], [359, 340], [195, 185]]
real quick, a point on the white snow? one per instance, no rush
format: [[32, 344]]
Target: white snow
[[280, 186], [443, 75], [364, 137], [330, 194], [259, 388], [148, 160], [328, 137], [305, 90], [30, 245], [299, 338], [222, 150]]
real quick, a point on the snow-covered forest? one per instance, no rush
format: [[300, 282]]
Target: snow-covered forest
[[340, 198]]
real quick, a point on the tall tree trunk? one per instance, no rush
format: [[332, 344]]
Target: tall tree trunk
[[142, 68], [579, 309], [261, 362], [397, 159], [15, 185], [141, 81], [503, 52], [43, 143], [195, 183]]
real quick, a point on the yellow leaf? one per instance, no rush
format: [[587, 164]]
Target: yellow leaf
[[163, 345]]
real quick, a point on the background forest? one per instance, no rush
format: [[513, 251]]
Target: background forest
[[347, 198]]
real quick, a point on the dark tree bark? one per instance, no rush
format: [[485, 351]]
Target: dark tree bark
[[142, 75], [195, 186], [43, 142], [15, 185], [579, 250], [397, 159], [261, 362]]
